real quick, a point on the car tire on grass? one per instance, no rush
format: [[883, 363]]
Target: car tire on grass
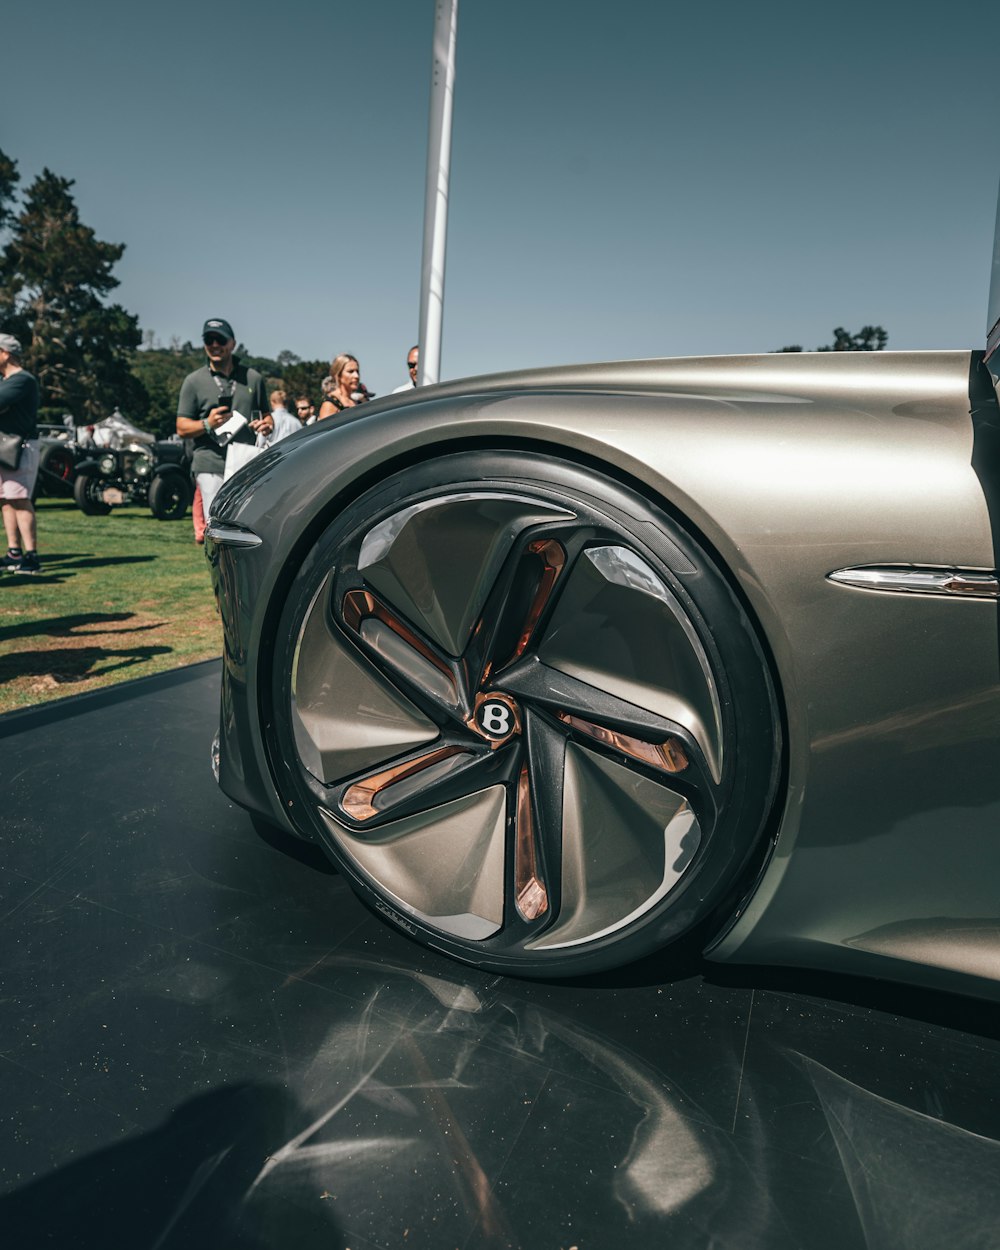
[[169, 496], [87, 491], [56, 469]]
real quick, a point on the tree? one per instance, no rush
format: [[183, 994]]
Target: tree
[[161, 370], [54, 277], [9, 178], [867, 339], [288, 372], [306, 378]]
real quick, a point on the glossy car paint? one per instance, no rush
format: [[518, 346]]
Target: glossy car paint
[[790, 467]]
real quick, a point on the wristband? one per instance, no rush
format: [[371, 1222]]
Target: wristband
[[207, 424]]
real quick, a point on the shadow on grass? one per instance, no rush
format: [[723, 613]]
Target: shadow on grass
[[74, 626], [73, 562], [55, 569], [67, 665]]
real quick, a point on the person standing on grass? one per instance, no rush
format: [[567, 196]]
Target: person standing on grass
[[19, 416], [210, 396]]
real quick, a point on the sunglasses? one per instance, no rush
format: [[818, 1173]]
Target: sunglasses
[[214, 340], [303, 407], [412, 364]]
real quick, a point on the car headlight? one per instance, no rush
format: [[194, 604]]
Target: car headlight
[[142, 466], [108, 463]]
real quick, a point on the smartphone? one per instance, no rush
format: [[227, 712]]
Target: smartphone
[[225, 401]]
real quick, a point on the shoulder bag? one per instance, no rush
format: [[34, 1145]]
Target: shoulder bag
[[10, 450]]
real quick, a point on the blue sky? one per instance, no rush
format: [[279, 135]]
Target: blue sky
[[628, 180]]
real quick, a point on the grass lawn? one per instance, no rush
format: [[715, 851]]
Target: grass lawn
[[119, 596]]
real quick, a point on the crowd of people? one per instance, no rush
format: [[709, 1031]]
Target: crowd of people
[[224, 409]]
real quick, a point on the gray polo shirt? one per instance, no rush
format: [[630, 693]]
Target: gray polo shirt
[[200, 394]]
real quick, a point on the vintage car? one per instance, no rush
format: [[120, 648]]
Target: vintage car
[[125, 465], [58, 453], [566, 667]]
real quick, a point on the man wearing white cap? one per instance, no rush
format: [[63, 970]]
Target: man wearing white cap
[[19, 418]]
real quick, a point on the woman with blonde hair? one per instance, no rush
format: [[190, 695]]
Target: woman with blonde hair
[[340, 389]]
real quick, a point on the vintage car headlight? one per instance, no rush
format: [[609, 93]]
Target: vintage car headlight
[[142, 466], [108, 463]]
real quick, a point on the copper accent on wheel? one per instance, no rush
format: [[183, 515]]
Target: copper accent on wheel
[[668, 756], [359, 801], [553, 558], [360, 605], [529, 890]]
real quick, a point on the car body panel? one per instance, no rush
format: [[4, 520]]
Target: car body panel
[[790, 467]]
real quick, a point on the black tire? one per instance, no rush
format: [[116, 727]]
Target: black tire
[[169, 496], [583, 743], [56, 470], [87, 491]]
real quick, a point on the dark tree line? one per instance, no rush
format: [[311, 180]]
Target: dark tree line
[[55, 276], [867, 339]]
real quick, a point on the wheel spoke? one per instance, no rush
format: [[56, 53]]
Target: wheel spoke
[[669, 756], [530, 894], [345, 716], [619, 628], [445, 866], [415, 665], [420, 782], [538, 831], [513, 610], [619, 729], [435, 562], [365, 799], [626, 842]]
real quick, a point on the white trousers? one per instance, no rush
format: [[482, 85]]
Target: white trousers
[[209, 483]]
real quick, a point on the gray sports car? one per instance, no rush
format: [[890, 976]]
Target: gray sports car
[[564, 667]]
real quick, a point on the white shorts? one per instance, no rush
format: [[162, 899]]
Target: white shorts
[[20, 482], [209, 483]]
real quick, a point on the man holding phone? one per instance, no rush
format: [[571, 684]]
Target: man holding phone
[[209, 398]]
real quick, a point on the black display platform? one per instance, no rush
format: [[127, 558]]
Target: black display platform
[[205, 1040]]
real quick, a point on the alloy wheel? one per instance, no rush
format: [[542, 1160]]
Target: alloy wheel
[[513, 727]]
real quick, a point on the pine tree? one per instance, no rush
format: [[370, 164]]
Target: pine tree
[[54, 277], [9, 178]]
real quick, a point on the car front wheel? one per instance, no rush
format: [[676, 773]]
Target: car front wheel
[[526, 715], [169, 496], [88, 491]]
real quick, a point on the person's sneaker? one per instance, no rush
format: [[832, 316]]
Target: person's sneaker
[[29, 563], [11, 560]]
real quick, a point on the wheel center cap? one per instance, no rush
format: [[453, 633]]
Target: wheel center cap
[[496, 717]]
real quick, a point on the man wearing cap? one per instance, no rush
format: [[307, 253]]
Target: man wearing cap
[[210, 397], [18, 416]]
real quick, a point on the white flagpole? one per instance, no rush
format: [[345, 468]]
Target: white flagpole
[[436, 196]]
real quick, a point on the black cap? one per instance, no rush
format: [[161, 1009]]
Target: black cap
[[215, 325]]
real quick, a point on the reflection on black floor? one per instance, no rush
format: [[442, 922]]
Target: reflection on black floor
[[206, 1041]]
